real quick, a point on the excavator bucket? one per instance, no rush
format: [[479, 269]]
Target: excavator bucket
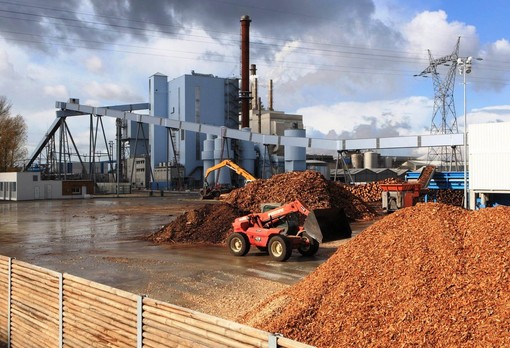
[[326, 225]]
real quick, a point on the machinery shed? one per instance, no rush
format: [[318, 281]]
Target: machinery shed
[[489, 164]]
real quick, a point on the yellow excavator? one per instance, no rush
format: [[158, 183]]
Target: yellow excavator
[[208, 192]]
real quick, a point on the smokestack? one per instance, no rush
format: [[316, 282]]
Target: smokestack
[[245, 71], [270, 96]]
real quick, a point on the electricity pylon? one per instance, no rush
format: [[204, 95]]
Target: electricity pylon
[[444, 118]]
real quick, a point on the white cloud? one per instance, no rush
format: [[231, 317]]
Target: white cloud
[[500, 113], [408, 116], [110, 91], [6, 67], [58, 92], [432, 31], [94, 64]]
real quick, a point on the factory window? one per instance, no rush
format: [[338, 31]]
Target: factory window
[[35, 178], [182, 134], [76, 190], [1, 186], [13, 186]]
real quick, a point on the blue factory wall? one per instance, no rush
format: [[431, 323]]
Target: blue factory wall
[[158, 98], [195, 98]]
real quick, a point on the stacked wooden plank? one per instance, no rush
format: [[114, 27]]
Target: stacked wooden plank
[[4, 297], [166, 325], [35, 306], [98, 315], [432, 275]]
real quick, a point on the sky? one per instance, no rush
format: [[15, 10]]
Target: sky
[[347, 66]]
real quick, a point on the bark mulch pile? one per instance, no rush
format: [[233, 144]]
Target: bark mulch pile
[[432, 275], [213, 222]]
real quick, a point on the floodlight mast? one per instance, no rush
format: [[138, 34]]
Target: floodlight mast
[[444, 117], [464, 64]]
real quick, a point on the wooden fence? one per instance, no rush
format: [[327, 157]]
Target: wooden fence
[[42, 308]]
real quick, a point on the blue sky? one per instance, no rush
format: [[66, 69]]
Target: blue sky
[[346, 66]]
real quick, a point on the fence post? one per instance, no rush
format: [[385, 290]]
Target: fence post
[[60, 310], [139, 321], [9, 304], [273, 340]]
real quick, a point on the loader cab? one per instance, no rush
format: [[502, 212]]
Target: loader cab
[[290, 222]]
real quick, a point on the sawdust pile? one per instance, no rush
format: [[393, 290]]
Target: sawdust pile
[[213, 222], [432, 275]]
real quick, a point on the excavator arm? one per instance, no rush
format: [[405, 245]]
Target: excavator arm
[[231, 165], [212, 192]]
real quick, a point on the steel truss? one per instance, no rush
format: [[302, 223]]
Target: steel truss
[[444, 117]]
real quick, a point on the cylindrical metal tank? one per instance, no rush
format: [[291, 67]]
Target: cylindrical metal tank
[[222, 150], [208, 156], [247, 154], [295, 156], [357, 160], [371, 159], [264, 163], [388, 162]]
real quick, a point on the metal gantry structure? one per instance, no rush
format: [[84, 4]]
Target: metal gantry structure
[[58, 142], [444, 117]]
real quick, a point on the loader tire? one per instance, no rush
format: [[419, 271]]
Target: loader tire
[[311, 247], [279, 248], [238, 244]]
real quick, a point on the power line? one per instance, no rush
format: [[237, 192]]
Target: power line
[[348, 52]]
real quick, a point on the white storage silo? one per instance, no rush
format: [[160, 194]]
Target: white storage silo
[[357, 160], [371, 160]]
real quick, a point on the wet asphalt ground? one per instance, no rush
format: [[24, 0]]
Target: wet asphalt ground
[[101, 239]]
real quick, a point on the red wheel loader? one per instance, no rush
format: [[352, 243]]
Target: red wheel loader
[[279, 230]]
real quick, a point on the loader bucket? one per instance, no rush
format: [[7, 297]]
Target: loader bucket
[[329, 224]]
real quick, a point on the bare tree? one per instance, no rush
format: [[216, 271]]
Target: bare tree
[[13, 136]]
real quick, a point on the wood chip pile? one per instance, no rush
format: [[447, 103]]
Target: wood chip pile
[[432, 275], [209, 224], [213, 222], [309, 187], [370, 192], [452, 197], [425, 175]]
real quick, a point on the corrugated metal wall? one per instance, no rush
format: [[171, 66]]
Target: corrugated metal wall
[[489, 156]]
